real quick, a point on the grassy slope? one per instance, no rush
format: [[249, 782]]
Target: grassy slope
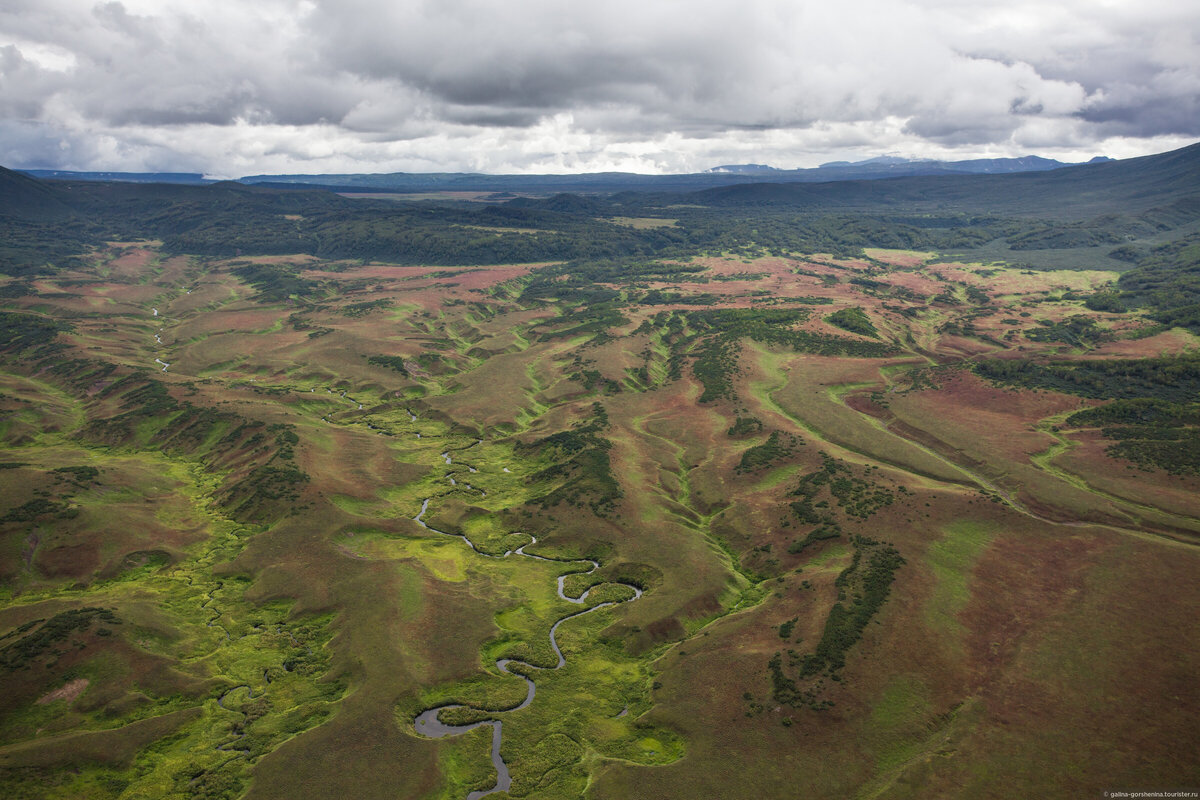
[[1010, 617]]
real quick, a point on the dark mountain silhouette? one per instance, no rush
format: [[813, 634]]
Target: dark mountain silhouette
[[1073, 192], [603, 182], [23, 197]]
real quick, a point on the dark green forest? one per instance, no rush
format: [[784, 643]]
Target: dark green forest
[[43, 224]]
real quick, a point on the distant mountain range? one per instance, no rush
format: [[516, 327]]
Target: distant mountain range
[[1102, 186], [1167, 181], [193, 178], [894, 166], [597, 182]]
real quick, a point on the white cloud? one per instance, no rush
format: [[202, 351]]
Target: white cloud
[[550, 85]]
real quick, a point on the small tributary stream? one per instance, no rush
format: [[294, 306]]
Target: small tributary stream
[[428, 723]]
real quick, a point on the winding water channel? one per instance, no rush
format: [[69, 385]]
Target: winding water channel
[[428, 723]]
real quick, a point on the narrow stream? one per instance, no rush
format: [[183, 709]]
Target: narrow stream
[[427, 722]]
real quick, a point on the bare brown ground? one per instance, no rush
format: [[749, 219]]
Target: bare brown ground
[[828, 753], [1005, 466], [497, 390], [998, 712], [387, 645], [68, 691], [398, 631]]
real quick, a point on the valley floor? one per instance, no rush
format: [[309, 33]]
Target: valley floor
[[260, 515]]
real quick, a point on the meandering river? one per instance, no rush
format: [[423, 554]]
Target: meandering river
[[429, 724]]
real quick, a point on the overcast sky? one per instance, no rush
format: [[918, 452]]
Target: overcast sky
[[238, 87]]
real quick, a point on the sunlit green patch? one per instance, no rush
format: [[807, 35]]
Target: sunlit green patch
[[491, 692], [831, 557], [776, 477], [466, 764], [359, 506], [206, 637], [951, 559], [444, 557], [489, 534], [901, 724]]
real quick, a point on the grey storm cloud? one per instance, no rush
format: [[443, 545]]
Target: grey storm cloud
[[553, 85]]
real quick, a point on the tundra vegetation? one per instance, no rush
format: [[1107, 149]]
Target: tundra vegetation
[[887, 495]]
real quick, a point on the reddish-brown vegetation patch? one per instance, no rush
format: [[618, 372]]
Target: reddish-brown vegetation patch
[[899, 258], [1079, 669], [1030, 577], [297, 259], [228, 321], [356, 463], [914, 281], [478, 279], [68, 560], [1172, 342], [992, 421], [132, 262], [1087, 459]]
